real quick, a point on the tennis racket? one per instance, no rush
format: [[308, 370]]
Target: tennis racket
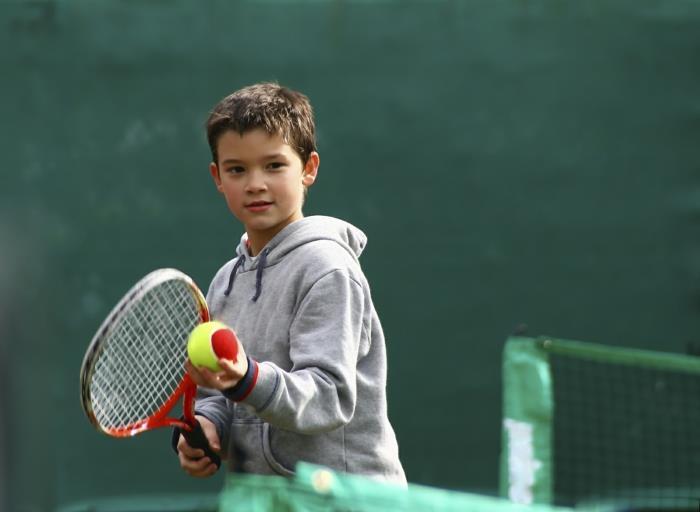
[[133, 372]]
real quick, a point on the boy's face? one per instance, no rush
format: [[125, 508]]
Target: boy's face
[[263, 181]]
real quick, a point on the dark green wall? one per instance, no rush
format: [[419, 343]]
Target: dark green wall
[[512, 162]]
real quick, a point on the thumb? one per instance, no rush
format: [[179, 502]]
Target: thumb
[[210, 432]]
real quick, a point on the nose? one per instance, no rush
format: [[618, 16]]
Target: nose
[[255, 182]]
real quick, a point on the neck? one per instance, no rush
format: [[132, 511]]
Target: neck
[[254, 248], [258, 239]]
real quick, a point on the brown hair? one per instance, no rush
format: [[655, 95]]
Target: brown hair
[[276, 109]]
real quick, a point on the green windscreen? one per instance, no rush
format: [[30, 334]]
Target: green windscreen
[[623, 429], [316, 489]]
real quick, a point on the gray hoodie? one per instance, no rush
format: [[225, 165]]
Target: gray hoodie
[[302, 309]]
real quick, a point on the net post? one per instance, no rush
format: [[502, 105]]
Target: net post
[[526, 449]]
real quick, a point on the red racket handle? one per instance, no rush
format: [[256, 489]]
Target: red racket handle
[[196, 439]]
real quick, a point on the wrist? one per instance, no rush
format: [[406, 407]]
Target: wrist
[[244, 386]]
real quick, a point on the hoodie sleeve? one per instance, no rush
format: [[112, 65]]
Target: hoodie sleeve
[[319, 392], [217, 410]]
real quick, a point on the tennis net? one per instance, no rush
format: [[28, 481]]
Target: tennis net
[[588, 424]]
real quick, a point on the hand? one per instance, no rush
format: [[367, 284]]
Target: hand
[[192, 460], [231, 372]]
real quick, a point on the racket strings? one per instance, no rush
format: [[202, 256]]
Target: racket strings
[[143, 355]]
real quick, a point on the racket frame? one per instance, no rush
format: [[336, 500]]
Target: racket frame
[[186, 388]]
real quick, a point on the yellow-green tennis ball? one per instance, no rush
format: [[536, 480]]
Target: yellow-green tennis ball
[[209, 342]]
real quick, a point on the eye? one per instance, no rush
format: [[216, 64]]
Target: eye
[[237, 169], [275, 165]]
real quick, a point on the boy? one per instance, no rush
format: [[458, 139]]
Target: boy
[[311, 382]]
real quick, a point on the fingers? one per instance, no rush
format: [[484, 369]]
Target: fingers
[[234, 370], [200, 467], [210, 433], [240, 353], [215, 380], [192, 460], [195, 373], [231, 372]]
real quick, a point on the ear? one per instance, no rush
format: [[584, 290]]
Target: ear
[[214, 171], [310, 169]]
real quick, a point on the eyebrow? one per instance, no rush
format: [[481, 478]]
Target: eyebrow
[[274, 156]]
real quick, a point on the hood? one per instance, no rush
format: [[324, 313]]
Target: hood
[[303, 231], [309, 229]]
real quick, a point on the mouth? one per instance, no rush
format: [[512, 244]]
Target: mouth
[[258, 206]]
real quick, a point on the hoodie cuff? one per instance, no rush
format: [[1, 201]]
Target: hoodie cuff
[[244, 387], [265, 390]]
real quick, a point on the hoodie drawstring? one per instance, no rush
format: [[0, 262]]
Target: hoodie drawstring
[[232, 275], [259, 273]]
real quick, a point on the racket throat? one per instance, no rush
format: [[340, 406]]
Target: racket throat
[[189, 392]]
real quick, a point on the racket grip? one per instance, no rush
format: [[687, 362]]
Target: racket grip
[[196, 439]]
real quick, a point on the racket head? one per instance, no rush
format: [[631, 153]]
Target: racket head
[[133, 371]]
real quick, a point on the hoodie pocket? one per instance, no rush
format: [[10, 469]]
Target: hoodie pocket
[[269, 456], [282, 449], [249, 446]]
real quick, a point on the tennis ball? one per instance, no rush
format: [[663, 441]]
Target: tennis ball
[[209, 342]]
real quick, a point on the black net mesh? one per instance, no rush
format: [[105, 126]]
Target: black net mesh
[[625, 433]]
